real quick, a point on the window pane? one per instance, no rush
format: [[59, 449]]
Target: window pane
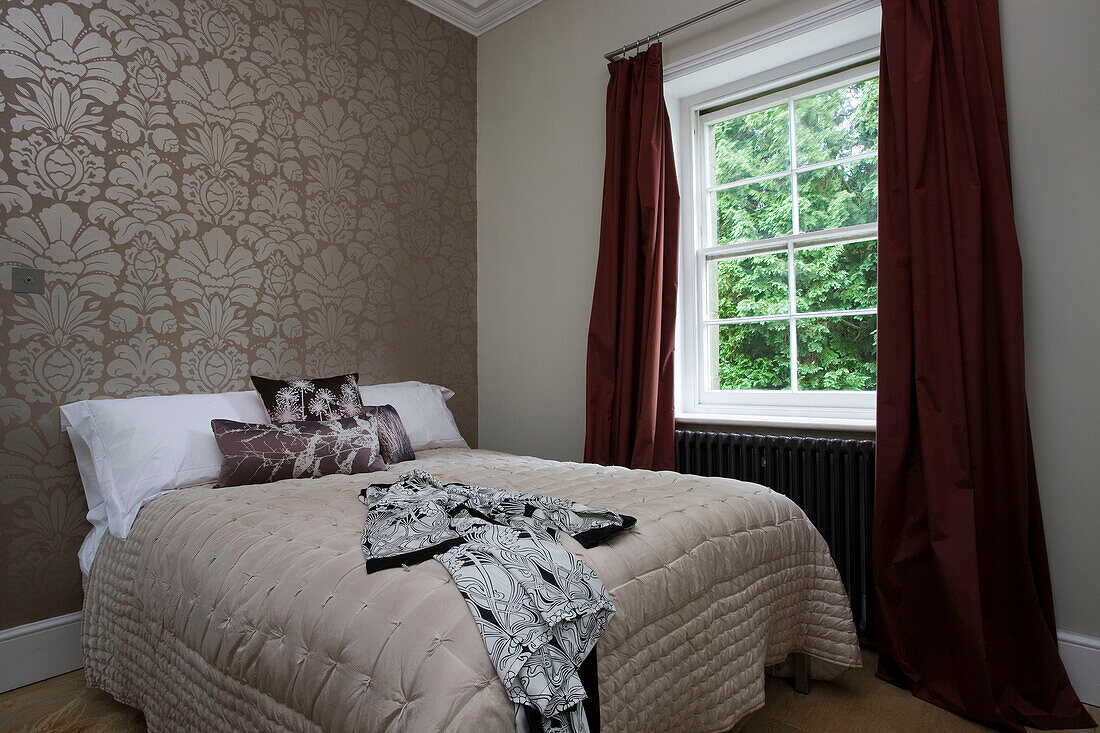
[[751, 356], [752, 145], [756, 211], [749, 286], [837, 123], [838, 196], [837, 353], [837, 277]]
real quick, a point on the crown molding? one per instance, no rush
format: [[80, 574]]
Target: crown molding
[[475, 16]]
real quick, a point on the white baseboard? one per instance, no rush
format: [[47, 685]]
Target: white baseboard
[[44, 649], [1081, 656], [40, 650]]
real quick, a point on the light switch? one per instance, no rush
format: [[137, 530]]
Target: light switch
[[28, 280]]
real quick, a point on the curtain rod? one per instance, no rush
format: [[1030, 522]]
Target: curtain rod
[[679, 26]]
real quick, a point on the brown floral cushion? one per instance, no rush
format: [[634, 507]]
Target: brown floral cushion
[[257, 454], [392, 436], [327, 398]]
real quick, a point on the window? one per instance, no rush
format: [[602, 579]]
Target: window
[[781, 309]]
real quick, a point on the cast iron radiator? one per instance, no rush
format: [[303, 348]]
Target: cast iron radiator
[[832, 480]]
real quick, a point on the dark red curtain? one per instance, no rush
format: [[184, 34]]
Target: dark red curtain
[[963, 600], [630, 337]]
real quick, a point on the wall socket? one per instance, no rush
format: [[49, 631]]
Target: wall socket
[[28, 280]]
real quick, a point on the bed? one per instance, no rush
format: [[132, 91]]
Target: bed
[[249, 608]]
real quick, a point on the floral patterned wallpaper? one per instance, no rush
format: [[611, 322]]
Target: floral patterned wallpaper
[[219, 187]]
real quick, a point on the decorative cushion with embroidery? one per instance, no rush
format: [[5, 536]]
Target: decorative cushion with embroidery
[[260, 453], [292, 400]]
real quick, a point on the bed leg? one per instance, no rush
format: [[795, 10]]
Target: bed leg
[[801, 681]]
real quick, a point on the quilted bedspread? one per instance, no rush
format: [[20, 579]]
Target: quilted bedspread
[[249, 608]]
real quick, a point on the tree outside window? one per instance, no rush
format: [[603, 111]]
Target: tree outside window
[[790, 252]]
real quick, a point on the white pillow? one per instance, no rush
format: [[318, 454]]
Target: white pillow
[[131, 450], [423, 411]]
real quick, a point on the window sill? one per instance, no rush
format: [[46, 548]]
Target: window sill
[[805, 423]]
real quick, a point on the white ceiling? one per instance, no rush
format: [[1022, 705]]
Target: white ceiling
[[475, 16]]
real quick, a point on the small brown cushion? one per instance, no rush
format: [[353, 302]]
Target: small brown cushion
[[257, 454], [396, 446]]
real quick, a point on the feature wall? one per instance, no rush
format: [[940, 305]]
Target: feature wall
[[215, 188]]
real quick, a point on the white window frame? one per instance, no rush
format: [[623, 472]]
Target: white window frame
[[695, 401]]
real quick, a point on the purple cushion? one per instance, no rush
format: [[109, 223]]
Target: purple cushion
[[257, 454], [394, 440], [327, 398]]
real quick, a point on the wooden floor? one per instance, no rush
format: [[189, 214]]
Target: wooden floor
[[856, 702]]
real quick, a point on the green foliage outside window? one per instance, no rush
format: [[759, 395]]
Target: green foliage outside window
[[834, 352]]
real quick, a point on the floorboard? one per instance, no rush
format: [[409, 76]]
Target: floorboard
[[856, 702]]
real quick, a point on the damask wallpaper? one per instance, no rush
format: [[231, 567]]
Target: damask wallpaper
[[219, 187]]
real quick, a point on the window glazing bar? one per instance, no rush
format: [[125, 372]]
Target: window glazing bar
[[801, 169], [740, 320], [843, 235]]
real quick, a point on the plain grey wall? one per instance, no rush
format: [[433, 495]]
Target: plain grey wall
[[541, 83], [1052, 74]]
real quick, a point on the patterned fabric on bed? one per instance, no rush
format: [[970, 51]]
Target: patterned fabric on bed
[[539, 608]]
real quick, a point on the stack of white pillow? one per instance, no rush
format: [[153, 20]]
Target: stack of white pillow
[[131, 450]]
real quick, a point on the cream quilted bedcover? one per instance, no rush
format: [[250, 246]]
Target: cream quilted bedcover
[[249, 608]]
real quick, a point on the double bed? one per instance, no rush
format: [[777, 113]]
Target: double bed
[[249, 608]]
